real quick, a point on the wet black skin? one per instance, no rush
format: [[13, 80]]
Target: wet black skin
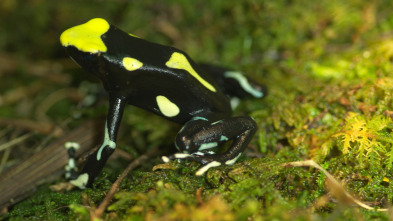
[[206, 116]]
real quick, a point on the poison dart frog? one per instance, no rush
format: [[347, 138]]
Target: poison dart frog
[[167, 82]]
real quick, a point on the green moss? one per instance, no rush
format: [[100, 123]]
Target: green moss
[[46, 204], [328, 68]]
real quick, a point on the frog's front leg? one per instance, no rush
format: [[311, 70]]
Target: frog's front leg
[[201, 134], [96, 161]]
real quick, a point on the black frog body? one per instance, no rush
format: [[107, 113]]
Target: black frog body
[[167, 82]]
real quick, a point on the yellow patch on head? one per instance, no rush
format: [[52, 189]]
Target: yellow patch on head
[[86, 37], [167, 108], [179, 61], [131, 64]]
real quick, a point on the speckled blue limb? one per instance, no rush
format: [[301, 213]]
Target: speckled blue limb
[[197, 138]]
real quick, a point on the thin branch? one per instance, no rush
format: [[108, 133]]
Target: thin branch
[[336, 183], [97, 213], [15, 141], [19, 181]]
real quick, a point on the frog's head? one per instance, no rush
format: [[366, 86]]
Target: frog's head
[[85, 46]]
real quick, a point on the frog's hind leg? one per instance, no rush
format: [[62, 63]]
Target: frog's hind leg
[[234, 83], [198, 136]]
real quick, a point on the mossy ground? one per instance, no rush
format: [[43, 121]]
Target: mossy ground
[[328, 68]]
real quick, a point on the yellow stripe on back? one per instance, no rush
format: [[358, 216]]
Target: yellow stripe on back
[[133, 35], [86, 37], [179, 61]]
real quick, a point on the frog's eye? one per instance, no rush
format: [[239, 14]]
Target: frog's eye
[[88, 61], [90, 58], [82, 58]]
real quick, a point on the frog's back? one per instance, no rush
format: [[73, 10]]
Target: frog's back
[[160, 79]]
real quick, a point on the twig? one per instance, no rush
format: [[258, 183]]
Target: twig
[[97, 213], [15, 141], [18, 182], [30, 125], [336, 184]]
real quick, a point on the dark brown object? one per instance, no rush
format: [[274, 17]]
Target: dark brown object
[[21, 180]]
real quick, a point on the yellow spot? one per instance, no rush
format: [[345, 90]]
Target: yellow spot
[[179, 61], [167, 108], [386, 179], [86, 37], [131, 64]]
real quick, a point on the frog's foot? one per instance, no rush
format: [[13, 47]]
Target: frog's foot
[[214, 160], [76, 179], [70, 168], [175, 156], [179, 156], [182, 156], [208, 159], [80, 181]]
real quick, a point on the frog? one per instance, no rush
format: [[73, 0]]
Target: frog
[[167, 82]]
